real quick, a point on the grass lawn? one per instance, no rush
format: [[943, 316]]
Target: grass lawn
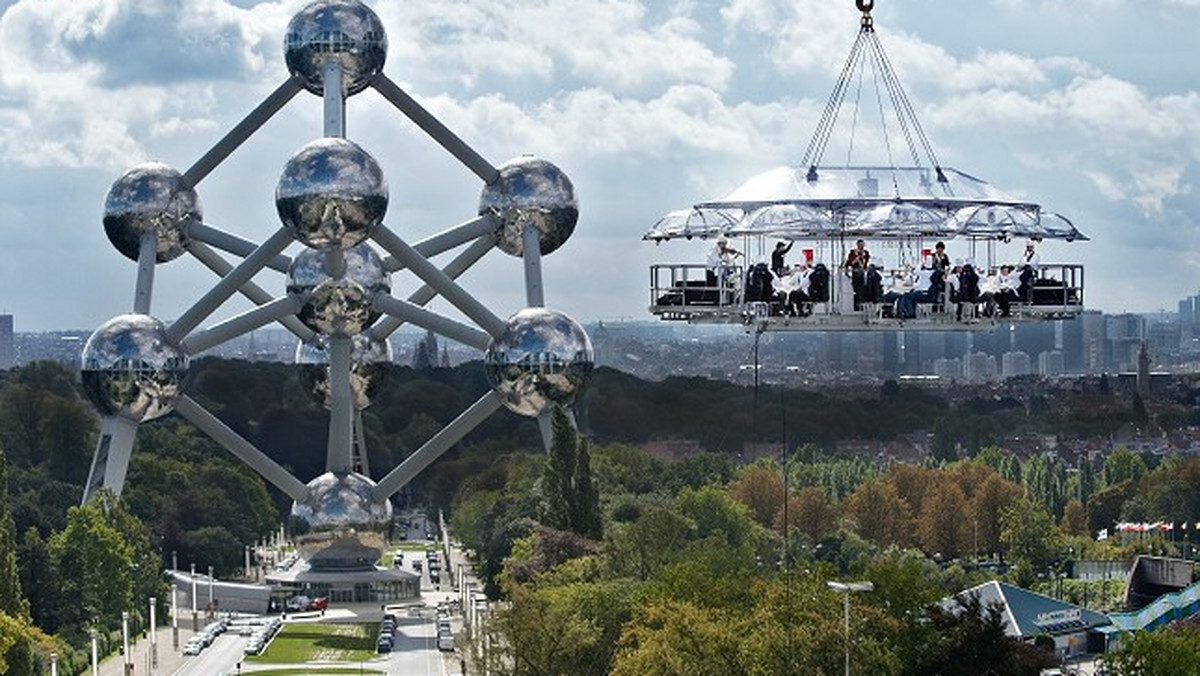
[[305, 642]]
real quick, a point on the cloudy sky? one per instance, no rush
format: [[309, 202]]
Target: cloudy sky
[[1088, 107]]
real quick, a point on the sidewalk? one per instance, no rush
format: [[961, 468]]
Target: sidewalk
[[170, 659]]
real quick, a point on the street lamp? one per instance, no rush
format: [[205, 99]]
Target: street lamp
[[210, 592], [95, 653], [845, 589], [153, 633], [53, 664], [125, 640]]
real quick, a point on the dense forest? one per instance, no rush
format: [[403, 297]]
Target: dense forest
[[680, 562]]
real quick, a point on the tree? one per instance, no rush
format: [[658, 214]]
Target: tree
[[760, 487], [1174, 649], [1122, 465], [681, 638], [639, 549], [12, 601], [943, 525], [812, 513], [987, 507], [560, 470], [968, 635], [1029, 533], [586, 517], [94, 563], [879, 514], [1074, 520], [570, 500]]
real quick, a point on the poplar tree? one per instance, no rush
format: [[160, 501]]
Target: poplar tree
[[558, 477], [571, 500], [587, 521], [12, 601]]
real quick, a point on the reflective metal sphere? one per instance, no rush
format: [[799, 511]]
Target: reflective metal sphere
[[338, 525], [371, 362], [332, 194], [534, 192], [345, 31], [130, 370], [542, 358], [150, 198], [338, 307]]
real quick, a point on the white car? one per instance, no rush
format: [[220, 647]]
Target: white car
[[445, 641], [193, 647]]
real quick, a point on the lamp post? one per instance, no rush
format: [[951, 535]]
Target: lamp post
[[195, 621], [174, 617], [153, 634], [95, 654], [125, 640], [210, 592], [53, 664], [845, 589]]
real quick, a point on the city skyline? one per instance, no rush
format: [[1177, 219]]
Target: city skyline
[[1087, 108]]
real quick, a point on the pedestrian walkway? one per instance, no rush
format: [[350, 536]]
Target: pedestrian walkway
[[170, 659]]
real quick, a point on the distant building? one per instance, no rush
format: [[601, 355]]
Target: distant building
[[1051, 363], [979, 367], [8, 354], [1015, 364]]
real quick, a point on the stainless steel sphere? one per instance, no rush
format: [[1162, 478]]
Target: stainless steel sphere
[[130, 370], [151, 198], [337, 306], [532, 192], [370, 364], [332, 194], [343, 31], [542, 358], [338, 525]]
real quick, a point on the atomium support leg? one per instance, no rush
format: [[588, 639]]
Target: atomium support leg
[[147, 258], [229, 284], [244, 450], [339, 454], [532, 254], [234, 245], [111, 459], [244, 129], [461, 263], [437, 445], [242, 324], [436, 130], [441, 283], [414, 314], [442, 242], [250, 290]]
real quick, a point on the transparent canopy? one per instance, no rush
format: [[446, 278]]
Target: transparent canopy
[[822, 202]]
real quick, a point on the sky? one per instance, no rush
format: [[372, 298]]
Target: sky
[[1087, 107]]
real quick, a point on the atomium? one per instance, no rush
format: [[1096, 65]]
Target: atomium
[[343, 31], [338, 306], [370, 363], [130, 370], [531, 192], [543, 358], [339, 524], [331, 195], [151, 199]]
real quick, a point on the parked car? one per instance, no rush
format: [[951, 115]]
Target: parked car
[[445, 642], [193, 647], [319, 603]]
